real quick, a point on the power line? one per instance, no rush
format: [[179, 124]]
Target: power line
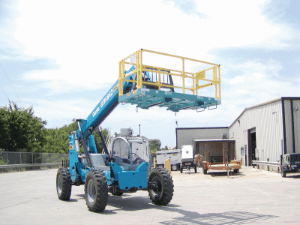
[[10, 83], [4, 92]]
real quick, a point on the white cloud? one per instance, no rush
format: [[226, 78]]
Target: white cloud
[[87, 40]]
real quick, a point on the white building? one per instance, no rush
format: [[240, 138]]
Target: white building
[[261, 132]]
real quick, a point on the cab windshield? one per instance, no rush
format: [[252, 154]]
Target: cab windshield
[[123, 156]]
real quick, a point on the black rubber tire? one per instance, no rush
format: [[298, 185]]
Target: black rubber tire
[[236, 171], [96, 191], [204, 170], [283, 173], [173, 167], [165, 182], [196, 169], [118, 193], [63, 184]]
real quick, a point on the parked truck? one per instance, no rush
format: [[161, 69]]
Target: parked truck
[[290, 163]]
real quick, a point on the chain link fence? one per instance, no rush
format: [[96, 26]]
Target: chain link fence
[[15, 158]]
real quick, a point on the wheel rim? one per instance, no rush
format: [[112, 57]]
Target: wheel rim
[[91, 191], [59, 182], [156, 191], [174, 167]]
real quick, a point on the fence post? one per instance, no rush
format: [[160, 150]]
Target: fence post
[[31, 157], [20, 158]]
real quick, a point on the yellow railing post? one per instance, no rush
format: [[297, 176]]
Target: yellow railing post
[[121, 71], [219, 82], [158, 81], [194, 84], [183, 77]]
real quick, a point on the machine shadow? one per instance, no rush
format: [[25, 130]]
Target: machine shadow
[[231, 217], [292, 176], [187, 217], [134, 203], [223, 174]]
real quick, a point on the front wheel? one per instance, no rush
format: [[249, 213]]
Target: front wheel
[[96, 191], [160, 186], [63, 184]]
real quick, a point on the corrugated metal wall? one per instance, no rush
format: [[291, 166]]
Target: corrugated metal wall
[[296, 104], [185, 136], [292, 125], [267, 121]]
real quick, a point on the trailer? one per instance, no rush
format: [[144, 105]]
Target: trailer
[[174, 155], [233, 165], [219, 155]]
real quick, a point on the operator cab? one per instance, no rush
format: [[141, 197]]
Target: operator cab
[[123, 156]]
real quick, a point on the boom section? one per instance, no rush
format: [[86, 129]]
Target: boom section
[[104, 107]]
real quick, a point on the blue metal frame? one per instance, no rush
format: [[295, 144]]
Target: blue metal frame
[[145, 98]]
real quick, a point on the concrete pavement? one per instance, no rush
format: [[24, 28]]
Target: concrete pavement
[[250, 197]]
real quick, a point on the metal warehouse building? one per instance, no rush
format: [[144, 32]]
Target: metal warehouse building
[[261, 132]]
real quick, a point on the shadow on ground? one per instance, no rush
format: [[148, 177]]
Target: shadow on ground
[[295, 176], [224, 174], [187, 217]]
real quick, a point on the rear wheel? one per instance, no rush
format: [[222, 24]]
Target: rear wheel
[[174, 167], [96, 191], [204, 170], [283, 173], [236, 171], [118, 194], [63, 184], [160, 186]]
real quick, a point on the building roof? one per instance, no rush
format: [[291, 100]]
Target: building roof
[[256, 106], [213, 140]]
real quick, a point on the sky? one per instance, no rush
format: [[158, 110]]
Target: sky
[[61, 57]]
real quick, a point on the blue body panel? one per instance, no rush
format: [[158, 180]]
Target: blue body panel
[[128, 179], [77, 168]]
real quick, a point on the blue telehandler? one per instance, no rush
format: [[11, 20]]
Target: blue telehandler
[[119, 170]]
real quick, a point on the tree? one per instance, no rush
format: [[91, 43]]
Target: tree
[[57, 140], [165, 148], [154, 145], [20, 129]]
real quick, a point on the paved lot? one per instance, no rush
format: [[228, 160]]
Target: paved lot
[[251, 197]]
